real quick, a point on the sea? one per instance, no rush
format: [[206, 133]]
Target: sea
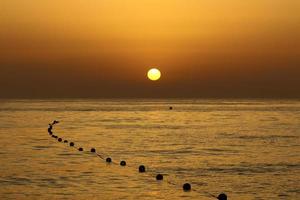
[[244, 148]]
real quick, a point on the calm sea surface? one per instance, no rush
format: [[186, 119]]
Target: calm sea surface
[[249, 149]]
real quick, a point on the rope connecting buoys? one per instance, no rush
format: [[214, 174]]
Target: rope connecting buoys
[[187, 187], [142, 168], [159, 177], [123, 163], [51, 126]]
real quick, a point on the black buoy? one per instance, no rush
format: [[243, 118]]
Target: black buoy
[[50, 128], [123, 163], [65, 141], [55, 136], [222, 196], [93, 150], [80, 149], [186, 187], [159, 177], [59, 139], [171, 108], [71, 144], [108, 160], [142, 168], [50, 133]]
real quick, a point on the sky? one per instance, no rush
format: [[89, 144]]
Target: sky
[[104, 48]]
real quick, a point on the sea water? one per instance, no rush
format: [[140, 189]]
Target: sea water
[[248, 149]]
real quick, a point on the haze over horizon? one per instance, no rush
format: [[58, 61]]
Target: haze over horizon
[[103, 49]]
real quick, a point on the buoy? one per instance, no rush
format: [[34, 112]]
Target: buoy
[[186, 187], [142, 168], [108, 160], [65, 141], [80, 149], [171, 108], [50, 133], [159, 177], [71, 144], [59, 139], [222, 196], [93, 150], [122, 163], [55, 136]]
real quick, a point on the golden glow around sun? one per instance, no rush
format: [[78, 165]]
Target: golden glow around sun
[[154, 74]]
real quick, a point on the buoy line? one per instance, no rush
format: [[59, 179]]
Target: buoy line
[[141, 169]]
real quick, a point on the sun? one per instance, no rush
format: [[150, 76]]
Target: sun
[[154, 74]]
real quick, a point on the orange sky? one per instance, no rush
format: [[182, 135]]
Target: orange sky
[[103, 48]]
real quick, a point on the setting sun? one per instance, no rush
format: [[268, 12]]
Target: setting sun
[[154, 74]]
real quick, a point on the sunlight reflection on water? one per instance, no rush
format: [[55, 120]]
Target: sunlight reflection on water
[[248, 149]]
